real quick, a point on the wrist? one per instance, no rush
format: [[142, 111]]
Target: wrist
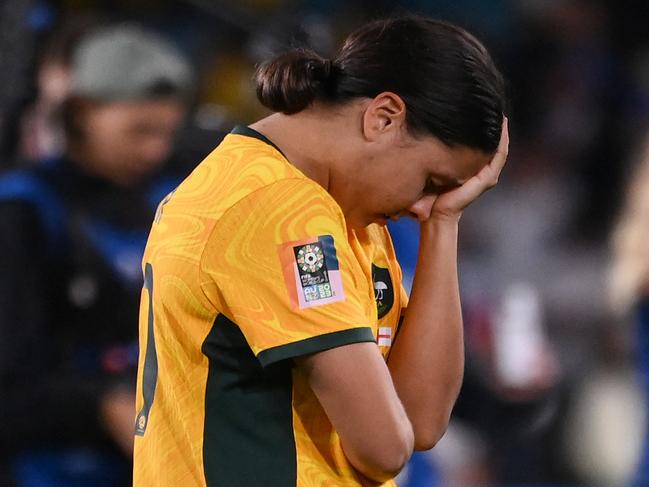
[[439, 231], [445, 216], [440, 222]]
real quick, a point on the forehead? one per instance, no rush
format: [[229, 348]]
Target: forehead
[[129, 113], [450, 164], [134, 108]]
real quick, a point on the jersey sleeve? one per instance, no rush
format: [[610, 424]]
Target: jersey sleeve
[[286, 273]]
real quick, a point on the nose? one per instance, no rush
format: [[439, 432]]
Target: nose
[[423, 206]]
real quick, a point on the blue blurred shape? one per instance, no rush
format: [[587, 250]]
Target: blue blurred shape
[[69, 468]]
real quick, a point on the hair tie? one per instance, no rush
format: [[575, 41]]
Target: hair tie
[[320, 70], [326, 69]]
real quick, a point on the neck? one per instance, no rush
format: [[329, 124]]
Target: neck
[[316, 141]]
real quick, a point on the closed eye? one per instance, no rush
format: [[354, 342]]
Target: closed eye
[[431, 187]]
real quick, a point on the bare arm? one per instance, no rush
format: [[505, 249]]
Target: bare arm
[[427, 360], [355, 389]]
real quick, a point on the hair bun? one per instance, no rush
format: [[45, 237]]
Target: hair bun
[[291, 81]]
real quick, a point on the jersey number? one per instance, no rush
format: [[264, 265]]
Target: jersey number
[[150, 373]]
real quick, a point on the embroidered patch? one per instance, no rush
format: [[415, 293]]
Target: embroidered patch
[[383, 290], [311, 271], [384, 338]]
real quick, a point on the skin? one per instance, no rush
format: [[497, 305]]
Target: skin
[[379, 170], [125, 141], [117, 409]]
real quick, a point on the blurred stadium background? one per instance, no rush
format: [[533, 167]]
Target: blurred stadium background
[[552, 394]]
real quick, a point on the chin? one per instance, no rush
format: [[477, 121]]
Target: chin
[[377, 220], [357, 224]]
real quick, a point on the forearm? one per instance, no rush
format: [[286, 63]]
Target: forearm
[[354, 387], [427, 360]]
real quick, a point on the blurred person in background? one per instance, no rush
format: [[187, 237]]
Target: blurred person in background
[[629, 282], [72, 234], [41, 135]]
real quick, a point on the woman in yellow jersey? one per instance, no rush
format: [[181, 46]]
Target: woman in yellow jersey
[[276, 348]]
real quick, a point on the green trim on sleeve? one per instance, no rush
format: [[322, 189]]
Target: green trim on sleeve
[[316, 344]]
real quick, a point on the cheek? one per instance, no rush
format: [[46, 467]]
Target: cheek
[[106, 134], [104, 145], [397, 196], [126, 149], [115, 152], [407, 187]]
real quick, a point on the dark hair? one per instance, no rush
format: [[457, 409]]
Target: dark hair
[[445, 76]]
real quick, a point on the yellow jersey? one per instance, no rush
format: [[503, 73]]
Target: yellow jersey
[[249, 264]]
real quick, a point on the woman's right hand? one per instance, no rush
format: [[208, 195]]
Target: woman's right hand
[[451, 204]]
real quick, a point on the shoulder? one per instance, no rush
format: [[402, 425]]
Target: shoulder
[[296, 195], [256, 155], [248, 174], [27, 194], [251, 162], [24, 183], [23, 230], [284, 210]]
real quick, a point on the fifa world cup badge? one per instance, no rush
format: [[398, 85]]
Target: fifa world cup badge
[[311, 271]]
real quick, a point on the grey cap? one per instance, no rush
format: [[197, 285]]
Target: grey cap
[[126, 62]]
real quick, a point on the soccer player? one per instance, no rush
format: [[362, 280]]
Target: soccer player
[[276, 348]]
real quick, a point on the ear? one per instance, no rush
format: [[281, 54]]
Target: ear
[[384, 115]]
